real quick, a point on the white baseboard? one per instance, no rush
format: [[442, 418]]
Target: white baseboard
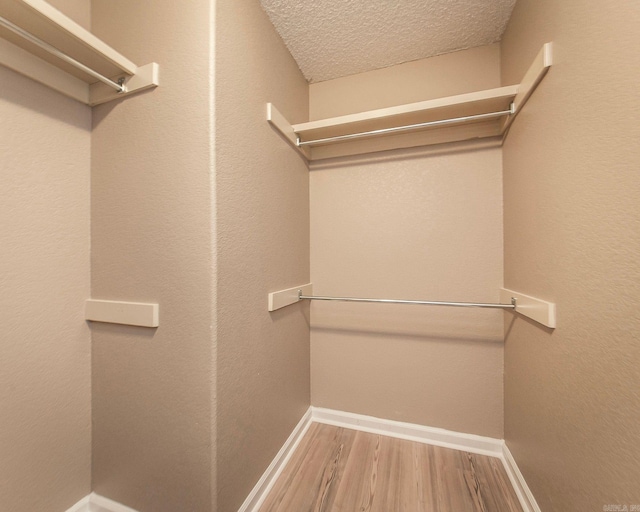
[[429, 435], [419, 433], [261, 489], [96, 503], [410, 431], [436, 436], [518, 482], [81, 506]]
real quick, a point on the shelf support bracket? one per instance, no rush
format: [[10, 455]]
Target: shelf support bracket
[[146, 77], [532, 78], [279, 122], [536, 309]]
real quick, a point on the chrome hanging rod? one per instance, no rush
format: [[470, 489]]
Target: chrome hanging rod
[[382, 131], [57, 53], [421, 302]]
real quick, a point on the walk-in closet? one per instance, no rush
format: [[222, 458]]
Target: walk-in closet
[[272, 255]]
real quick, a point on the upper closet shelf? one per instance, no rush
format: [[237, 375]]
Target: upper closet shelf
[[477, 115], [43, 44]]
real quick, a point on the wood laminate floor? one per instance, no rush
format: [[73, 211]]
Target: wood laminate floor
[[342, 470]]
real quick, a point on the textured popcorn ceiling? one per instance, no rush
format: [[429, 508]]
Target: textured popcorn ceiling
[[334, 38]]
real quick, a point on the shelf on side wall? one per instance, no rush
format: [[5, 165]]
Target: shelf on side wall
[[42, 21]]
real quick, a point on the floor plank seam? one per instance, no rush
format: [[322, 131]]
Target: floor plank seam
[[364, 472]]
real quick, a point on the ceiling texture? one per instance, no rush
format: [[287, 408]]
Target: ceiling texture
[[334, 38]]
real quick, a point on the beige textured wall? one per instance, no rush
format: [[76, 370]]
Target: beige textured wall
[[418, 80], [78, 10], [263, 245], [413, 225], [45, 402], [151, 241], [572, 235]]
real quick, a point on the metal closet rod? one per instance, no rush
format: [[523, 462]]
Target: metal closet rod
[[382, 131], [57, 53], [422, 302]]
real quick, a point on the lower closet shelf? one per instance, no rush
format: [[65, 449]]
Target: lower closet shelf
[[541, 311]]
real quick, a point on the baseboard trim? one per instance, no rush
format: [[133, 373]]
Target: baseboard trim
[[410, 431], [96, 503], [438, 437], [429, 435], [518, 482], [260, 491], [81, 506]]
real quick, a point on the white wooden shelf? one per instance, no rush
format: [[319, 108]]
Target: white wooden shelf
[[45, 23], [477, 115]]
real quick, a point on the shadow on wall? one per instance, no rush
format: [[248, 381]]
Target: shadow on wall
[[427, 323], [402, 155], [291, 312], [520, 318], [42, 100], [123, 331]]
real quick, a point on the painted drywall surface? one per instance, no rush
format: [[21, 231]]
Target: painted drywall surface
[[45, 382], [334, 39], [572, 235], [78, 10], [409, 225], [437, 77], [262, 246], [151, 242]]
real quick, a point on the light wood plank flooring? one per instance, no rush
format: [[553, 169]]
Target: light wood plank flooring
[[343, 470]]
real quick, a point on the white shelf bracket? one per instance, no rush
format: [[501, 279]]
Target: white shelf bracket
[[532, 78], [536, 309], [146, 77], [126, 313], [279, 122], [283, 298]]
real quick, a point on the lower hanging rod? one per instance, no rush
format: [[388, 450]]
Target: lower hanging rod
[[62, 56], [382, 131], [422, 302]]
